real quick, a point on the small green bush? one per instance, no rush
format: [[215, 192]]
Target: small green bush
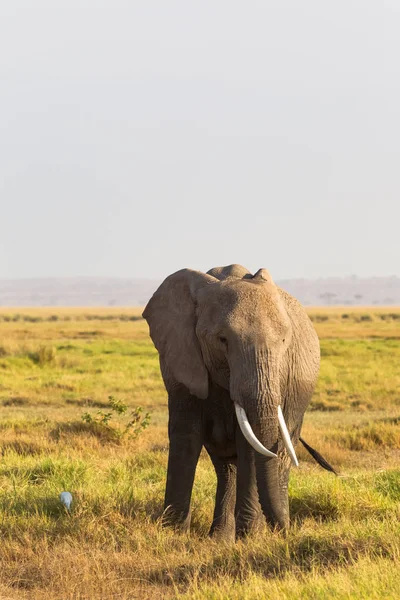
[[137, 423]]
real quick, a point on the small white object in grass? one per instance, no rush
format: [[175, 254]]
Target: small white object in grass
[[66, 499]]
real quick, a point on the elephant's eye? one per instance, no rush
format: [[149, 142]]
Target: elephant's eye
[[222, 339]]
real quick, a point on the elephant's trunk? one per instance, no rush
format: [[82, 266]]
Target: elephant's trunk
[[267, 469], [273, 505], [260, 399]]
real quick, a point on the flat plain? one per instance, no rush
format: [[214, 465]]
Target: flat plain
[[58, 370]]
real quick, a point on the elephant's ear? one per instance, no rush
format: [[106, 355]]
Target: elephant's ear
[[171, 315]]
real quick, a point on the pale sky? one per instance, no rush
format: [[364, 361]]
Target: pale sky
[[137, 138]]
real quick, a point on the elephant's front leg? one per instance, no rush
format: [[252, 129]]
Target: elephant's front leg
[[186, 439], [223, 524]]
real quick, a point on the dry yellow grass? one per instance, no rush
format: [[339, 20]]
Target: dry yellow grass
[[344, 540]]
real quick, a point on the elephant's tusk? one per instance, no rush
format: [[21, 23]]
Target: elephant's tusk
[[286, 437], [249, 434]]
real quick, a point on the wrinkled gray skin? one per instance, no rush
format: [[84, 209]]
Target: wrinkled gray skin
[[225, 337]]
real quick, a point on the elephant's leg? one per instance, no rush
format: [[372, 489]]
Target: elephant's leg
[[248, 509], [185, 443], [223, 525]]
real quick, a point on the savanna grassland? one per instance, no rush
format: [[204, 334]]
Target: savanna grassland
[[57, 366]]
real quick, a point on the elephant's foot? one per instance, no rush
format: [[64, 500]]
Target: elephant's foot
[[177, 519]]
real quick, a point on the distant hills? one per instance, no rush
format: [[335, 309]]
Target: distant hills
[[96, 291], [76, 291], [357, 291]]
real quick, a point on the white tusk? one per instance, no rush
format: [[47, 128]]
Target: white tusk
[[286, 437], [249, 434]]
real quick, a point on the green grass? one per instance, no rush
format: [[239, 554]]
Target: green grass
[[57, 365]]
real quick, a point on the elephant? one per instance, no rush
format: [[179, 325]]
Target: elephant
[[239, 358]]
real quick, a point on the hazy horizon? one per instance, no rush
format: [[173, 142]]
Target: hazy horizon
[[99, 291], [155, 279], [140, 138]]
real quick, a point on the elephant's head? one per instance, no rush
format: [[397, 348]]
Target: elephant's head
[[235, 332]]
